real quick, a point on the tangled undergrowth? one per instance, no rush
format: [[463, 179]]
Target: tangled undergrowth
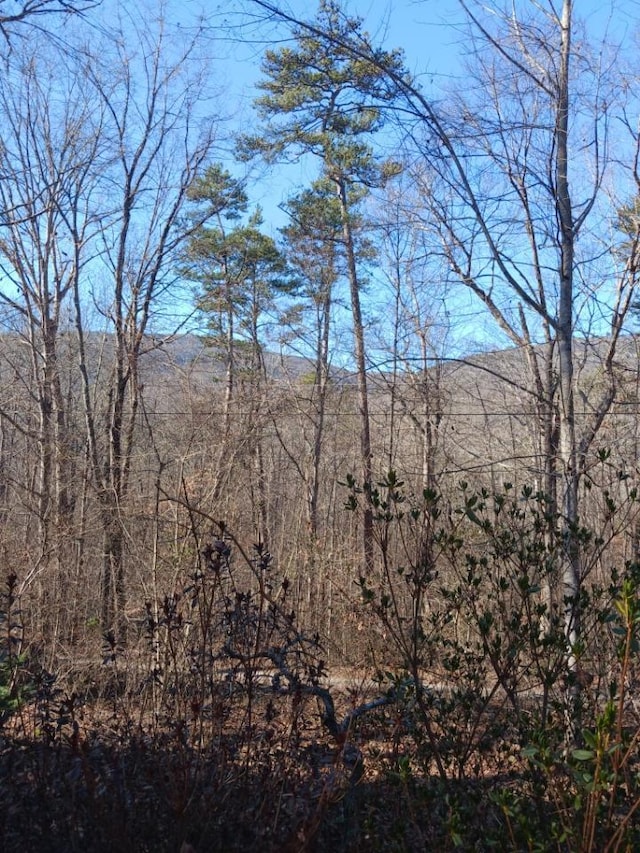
[[222, 729]]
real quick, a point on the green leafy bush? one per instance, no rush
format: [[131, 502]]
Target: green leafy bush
[[470, 600]]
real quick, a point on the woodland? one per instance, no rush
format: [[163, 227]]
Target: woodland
[[319, 526]]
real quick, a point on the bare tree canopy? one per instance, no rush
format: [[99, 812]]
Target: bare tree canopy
[[31, 11]]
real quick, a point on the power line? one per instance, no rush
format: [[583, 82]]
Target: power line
[[480, 413]]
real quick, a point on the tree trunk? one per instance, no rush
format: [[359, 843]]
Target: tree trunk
[[361, 373], [568, 455]]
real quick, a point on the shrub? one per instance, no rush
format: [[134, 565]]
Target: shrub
[[14, 681]]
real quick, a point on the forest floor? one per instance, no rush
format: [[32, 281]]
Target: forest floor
[[256, 771], [259, 767]]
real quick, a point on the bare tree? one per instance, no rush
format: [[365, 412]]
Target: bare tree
[[51, 142], [313, 239], [510, 226], [149, 82], [415, 330], [34, 13]]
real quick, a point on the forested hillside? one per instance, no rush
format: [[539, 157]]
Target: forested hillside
[[319, 512]]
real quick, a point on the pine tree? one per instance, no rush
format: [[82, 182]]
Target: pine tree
[[319, 100], [240, 272]]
